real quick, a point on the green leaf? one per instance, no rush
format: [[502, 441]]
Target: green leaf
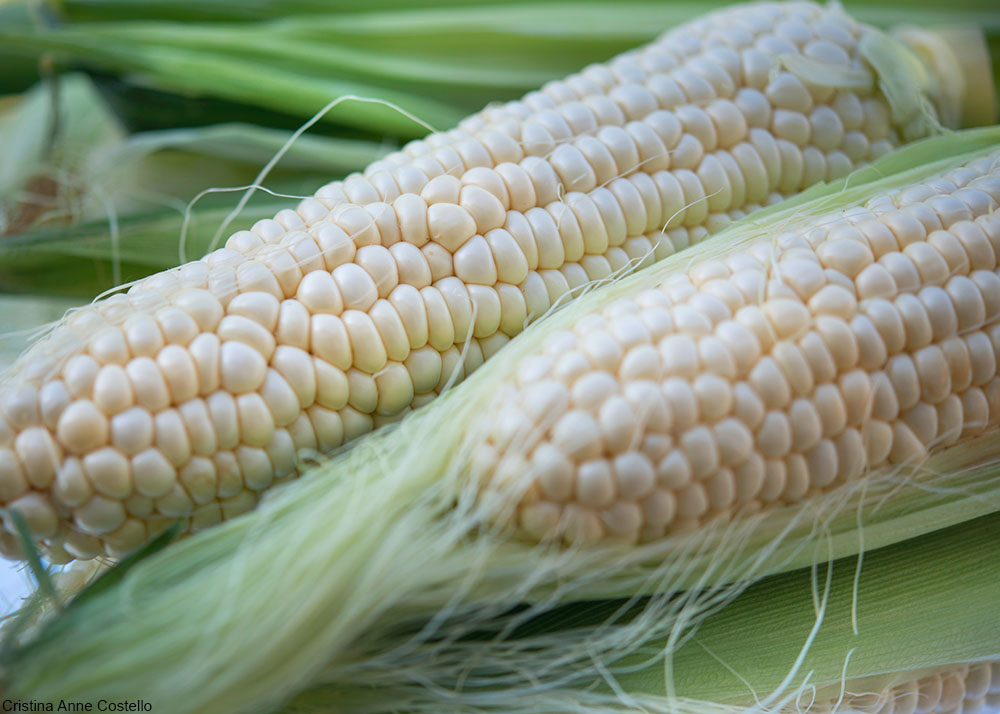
[[31, 554]]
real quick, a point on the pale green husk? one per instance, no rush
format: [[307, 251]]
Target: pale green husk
[[377, 566], [786, 641]]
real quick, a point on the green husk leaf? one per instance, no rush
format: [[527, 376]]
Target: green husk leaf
[[80, 261], [313, 156], [920, 603], [980, 13], [153, 170], [316, 49], [444, 50], [267, 85], [911, 617], [226, 10], [34, 558]]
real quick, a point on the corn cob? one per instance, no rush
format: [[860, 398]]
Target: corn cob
[[190, 395], [761, 378]]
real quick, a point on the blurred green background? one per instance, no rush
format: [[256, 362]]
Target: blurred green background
[[115, 114]]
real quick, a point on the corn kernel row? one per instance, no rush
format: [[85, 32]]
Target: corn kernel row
[[866, 340]]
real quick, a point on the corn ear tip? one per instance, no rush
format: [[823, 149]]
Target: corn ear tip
[[968, 55], [979, 105]]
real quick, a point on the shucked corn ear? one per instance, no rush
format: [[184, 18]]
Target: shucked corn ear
[[866, 339], [403, 585], [188, 396]]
